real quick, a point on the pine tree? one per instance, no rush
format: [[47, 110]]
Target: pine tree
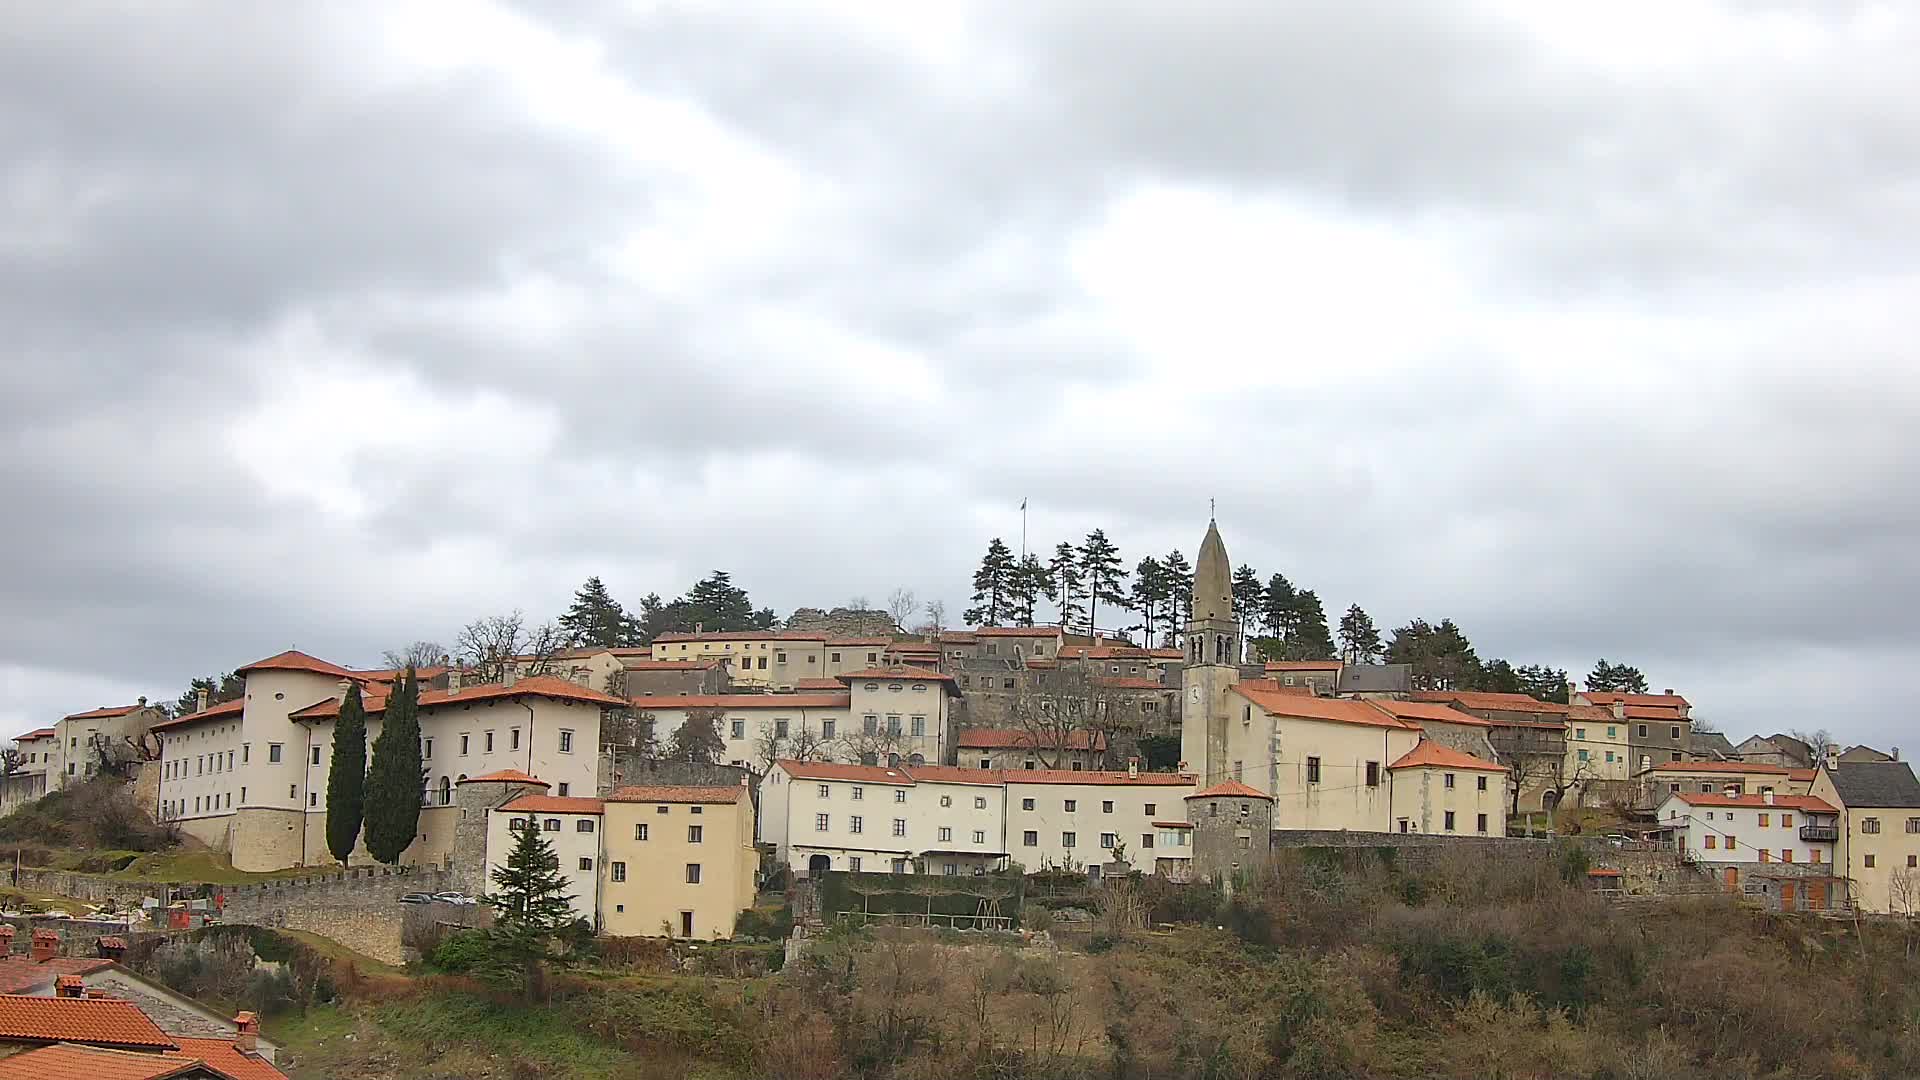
[[1150, 595], [1180, 592], [1358, 635], [1105, 576], [1279, 615], [1309, 639], [1498, 677], [717, 603], [347, 776], [220, 689], [1619, 678], [396, 781], [1064, 574], [1441, 656], [1249, 596], [596, 618], [992, 587], [1027, 586], [1543, 682], [531, 907]]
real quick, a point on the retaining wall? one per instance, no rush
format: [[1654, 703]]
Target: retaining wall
[[360, 909], [1417, 851]]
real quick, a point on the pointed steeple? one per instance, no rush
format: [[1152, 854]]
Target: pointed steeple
[[1212, 579]]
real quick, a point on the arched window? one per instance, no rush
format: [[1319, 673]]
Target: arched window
[[446, 791], [893, 761], [917, 759]]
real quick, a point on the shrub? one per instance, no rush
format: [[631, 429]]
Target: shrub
[[461, 951], [772, 923]]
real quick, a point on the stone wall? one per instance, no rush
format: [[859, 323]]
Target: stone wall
[[842, 622], [1417, 851], [1225, 843], [89, 887], [631, 770], [360, 909]]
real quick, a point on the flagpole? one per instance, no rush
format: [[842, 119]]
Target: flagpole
[[1023, 530]]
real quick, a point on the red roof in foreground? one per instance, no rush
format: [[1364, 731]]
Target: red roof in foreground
[[224, 1056], [104, 712], [1273, 698], [505, 776], [213, 712], [21, 975], [1430, 753], [195, 1057], [97, 1021], [545, 686], [1757, 802], [1231, 789], [555, 804], [295, 660], [653, 794]]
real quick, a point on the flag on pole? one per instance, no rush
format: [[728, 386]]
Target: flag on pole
[[1023, 504]]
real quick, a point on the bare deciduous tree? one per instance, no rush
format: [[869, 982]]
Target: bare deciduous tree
[[901, 604], [117, 757], [420, 654], [630, 733], [11, 760], [801, 744], [1050, 706], [488, 644], [936, 621], [880, 746]]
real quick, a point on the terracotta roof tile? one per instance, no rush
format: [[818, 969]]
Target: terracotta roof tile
[[732, 702], [224, 1056], [21, 975], [96, 1021], [1757, 802], [898, 671], [743, 635], [1266, 694], [1231, 789], [662, 794], [544, 686], [70, 1062], [952, 774], [104, 712], [37, 733], [1491, 702], [1070, 776], [833, 770], [223, 711], [829, 685], [295, 660], [1721, 767], [556, 804], [642, 664], [1608, 697], [1013, 739], [859, 642], [1430, 710], [1431, 754], [505, 776]]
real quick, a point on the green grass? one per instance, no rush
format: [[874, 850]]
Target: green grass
[[15, 899], [333, 950], [211, 867]]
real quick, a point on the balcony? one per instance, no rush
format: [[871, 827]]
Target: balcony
[[1818, 834]]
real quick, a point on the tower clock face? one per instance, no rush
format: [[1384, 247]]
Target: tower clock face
[[1193, 695]]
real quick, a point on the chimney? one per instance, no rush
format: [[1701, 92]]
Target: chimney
[[1767, 796], [1895, 752], [69, 986], [203, 701], [1133, 768], [98, 995], [1731, 791], [111, 947], [46, 946], [1668, 691], [246, 1037], [453, 681], [6, 938], [511, 675], [1573, 691], [1619, 710], [143, 701]]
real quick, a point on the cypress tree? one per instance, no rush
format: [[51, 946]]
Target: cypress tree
[[347, 782], [396, 780]]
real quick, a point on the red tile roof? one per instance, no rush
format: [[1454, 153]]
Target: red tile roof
[[743, 635], [1266, 694], [913, 646], [833, 770], [1432, 754], [37, 733], [1801, 776], [96, 1021], [70, 1062], [952, 774], [1231, 789], [1014, 739], [1650, 712], [1069, 776], [555, 804], [1757, 802], [1721, 767], [543, 686], [1608, 697], [295, 660], [1428, 710], [505, 776], [732, 702], [659, 794], [816, 684], [21, 975], [1491, 702], [1173, 825], [897, 671], [104, 712], [224, 710], [227, 1058], [1017, 631], [669, 665], [1303, 665]]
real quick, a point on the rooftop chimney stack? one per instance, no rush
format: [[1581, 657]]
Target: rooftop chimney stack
[[1767, 796], [46, 946], [203, 700], [1573, 689], [246, 1037], [1133, 768], [511, 675], [1732, 791], [69, 986], [1668, 691], [143, 701], [1619, 710], [111, 947], [6, 939], [453, 681]]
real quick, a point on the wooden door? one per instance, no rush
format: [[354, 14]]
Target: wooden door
[[1732, 877], [1816, 896], [1786, 897]]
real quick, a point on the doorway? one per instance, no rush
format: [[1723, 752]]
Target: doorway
[[817, 865], [686, 924], [1732, 878], [1787, 897]]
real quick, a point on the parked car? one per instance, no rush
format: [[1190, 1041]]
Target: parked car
[[458, 899], [417, 898]]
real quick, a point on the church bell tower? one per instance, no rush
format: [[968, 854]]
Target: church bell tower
[[1212, 663]]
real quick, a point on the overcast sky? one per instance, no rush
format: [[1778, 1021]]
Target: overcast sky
[[1590, 327]]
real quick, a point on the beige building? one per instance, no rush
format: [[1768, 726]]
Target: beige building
[[928, 819], [71, 755], [250, 776], [1320, 676], [1437, 789], [1010, 749], [1712, 777], [1597, 744], [677, 861], [774, 660], [1877, 843], [572, 826], [747, 720], [29, 781], [1324, 760], [1059, 818]]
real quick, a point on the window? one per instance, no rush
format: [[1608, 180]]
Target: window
[[1581, 754], [1870, 825], [1609, 757], [1449, 821], [1711, 841], [1026, 804], [826, 730], [1313, 770], [273, 751], [1730, 843], [1108, 840], [552, 824], [979, 802], [586, 863], [1764, 820], [1480, 822], [293, 792], [693, 878], [780, 658], [870, 725], [1786, 821], [617, 871], [1813, 855], [695, 809], [426, 748], [1006, 684], [824, 791], [1072, 805], [1066, 839], [1146, 840], [859, 793], [1643, 731], [566, 741], [1152, 809], [946, 800], [513, 738], [640, 830], [695, 833], [1030, 838], [780, 729], [762, 665], [979, 836], [465, 744], [855, 824], [893, 724], [313, 752], [1786, 854], [820, 822], [946, 835], [1580, 733], [1236, 771], [1913, 824], [1373, 773], [486, 741], [739, 729], [1867, 861], [949, 869], [1481, 786], [584, 825], [1612, 732], [1448, 781], [899, 826], [313, 798], [1912, 860], [853, 863], [563, 789], [899, 795]]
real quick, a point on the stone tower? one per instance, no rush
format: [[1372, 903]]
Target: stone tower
[[1212, 663]]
